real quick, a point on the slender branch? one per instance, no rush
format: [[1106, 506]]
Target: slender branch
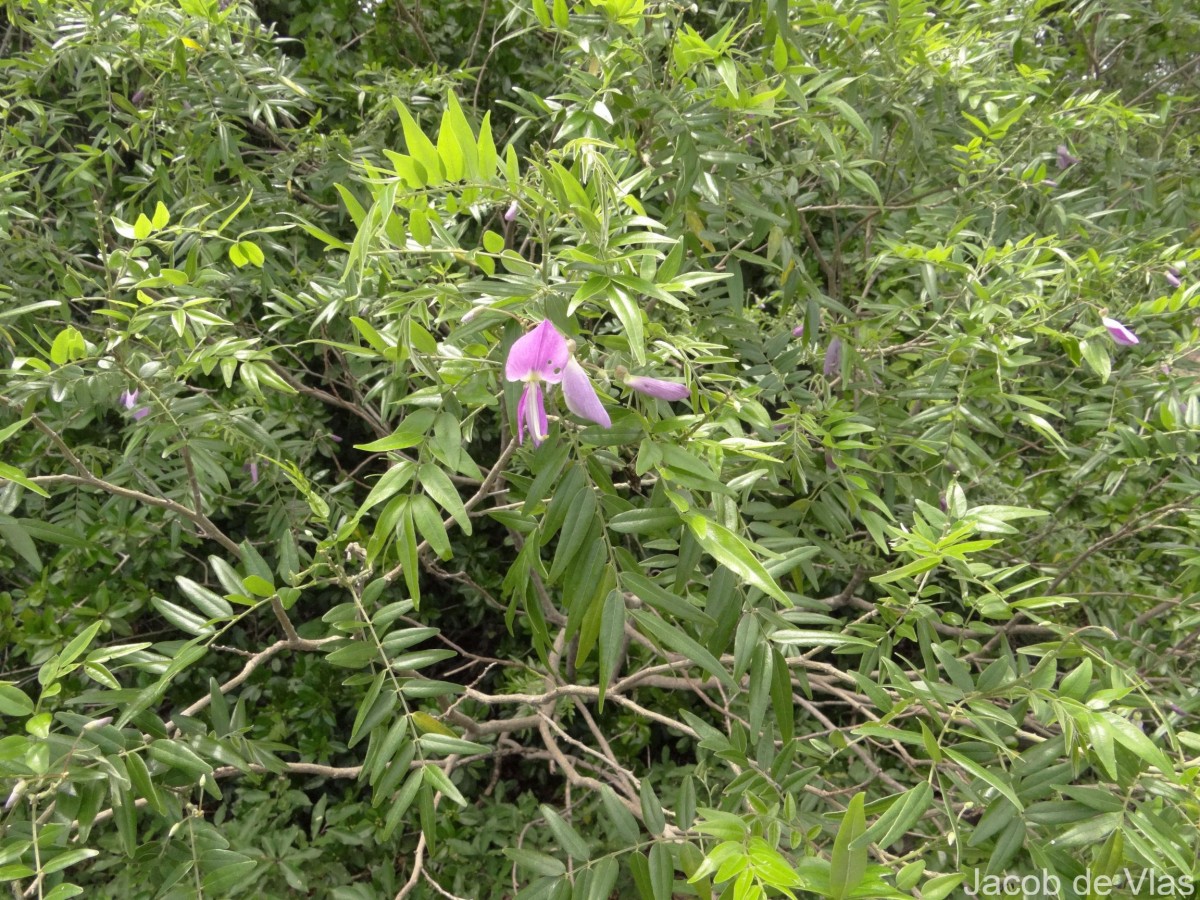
[[367, 415], [252, 664]]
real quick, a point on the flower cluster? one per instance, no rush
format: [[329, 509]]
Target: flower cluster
[[544, 357]]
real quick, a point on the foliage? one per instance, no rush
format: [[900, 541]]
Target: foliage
[[901, 595]]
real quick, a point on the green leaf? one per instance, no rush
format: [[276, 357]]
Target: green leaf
[[66, 859], [14, 701], [732, 552], [440, 781], [139, 778], [212, 605], [68, 346], [354, 655], [429, 523], [358, 215], [629, 314], [848, 863], [652, 811], [162, 216], [568, 838], [1135, 740], [915, 567], [624, 822], [492, 242], [905, 811], [995, 779], [252, 253], [662, 870], [179, 756], [576, 527], [611, 639], [183, 619], [9, 473], [403, 801], [437, 484], [940, 886], [674, 639], [420, 147], [18, 538], [538, 863]]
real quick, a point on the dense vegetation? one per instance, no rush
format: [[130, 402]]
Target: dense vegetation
[[869, 571]]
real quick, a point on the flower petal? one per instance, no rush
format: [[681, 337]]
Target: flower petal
[[129, 398], [1119, 332], [542, 353], [833, 358], [521, 404], [656, 387], [581, 397], [535, 414], [1065, 159], [798, 331], [139, 414]]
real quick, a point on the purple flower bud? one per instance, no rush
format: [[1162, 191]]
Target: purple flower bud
[[139, 414], [1173, 278], [17, 793], [336, 438], [1119, 332], [1065, 159], [252, 468], [833, 358], [1049, 182], [129, 398], [656, 387], [798, 331], [511, 212], [138, 98]]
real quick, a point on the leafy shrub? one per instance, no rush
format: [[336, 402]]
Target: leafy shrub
[[882, 583]]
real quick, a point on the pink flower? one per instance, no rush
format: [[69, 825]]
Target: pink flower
[[1065, 159], [129, 398], [798, 331], [655, 387], [139, 414], [581, 397], [1119, 332], [511, 212], [1173, 278], [252, 468], [537, 357]]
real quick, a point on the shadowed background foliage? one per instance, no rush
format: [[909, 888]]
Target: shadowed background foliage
[[904, 593]]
